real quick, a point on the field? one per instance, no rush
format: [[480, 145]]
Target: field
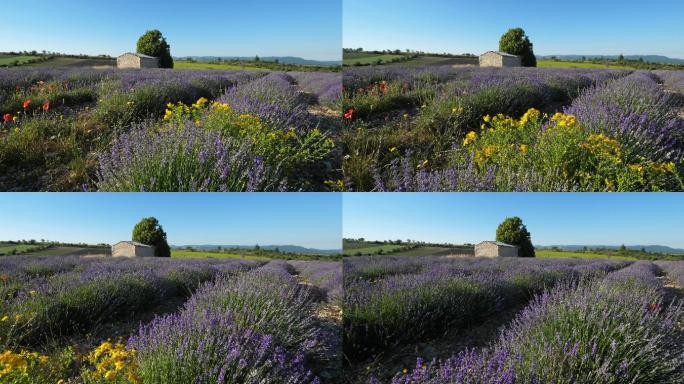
[[445, 128], [363, 58], [6, 60], [72, 319], [578, 255], [512, 320], [573, 64], [168, 130]]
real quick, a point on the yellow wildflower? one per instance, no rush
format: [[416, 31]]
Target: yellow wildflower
[[523, 148], [469, 138], [393, 149], [110, 375], [4, 318], [18, 317], [404, 371], [487, 118], [663, 167], [636, 167], [488, 151]]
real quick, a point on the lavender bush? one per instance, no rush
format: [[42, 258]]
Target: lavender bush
[[185, 159], [596, 331]]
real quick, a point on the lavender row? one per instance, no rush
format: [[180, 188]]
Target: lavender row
[[93, 292], [598, 331], [326, 275], [254, 328], [422, 298], [636, 110]]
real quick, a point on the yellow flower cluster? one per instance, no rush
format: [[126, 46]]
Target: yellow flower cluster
[[601, 144], [531, 114], [469, 138], [220, 106], [200, 103], [17, 317], [114, 361], [249, 121], [663, 167], [564, 121], [19, 363]]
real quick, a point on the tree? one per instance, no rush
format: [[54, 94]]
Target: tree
[[621, 57], [152, 43], [517, 43], [513, 231], [149, 231]]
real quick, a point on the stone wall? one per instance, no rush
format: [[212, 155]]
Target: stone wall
[[124, 249]]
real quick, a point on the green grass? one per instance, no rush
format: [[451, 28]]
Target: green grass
[[57, 251], [432, 251], [9, 59], [367, 58], [6, 248], [386, 248], [578, 255], [182, 253], [200, 65], [572, 64]]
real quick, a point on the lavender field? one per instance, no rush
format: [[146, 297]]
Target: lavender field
[[166, 130], [76, 319], [511, 320], [443, 128]]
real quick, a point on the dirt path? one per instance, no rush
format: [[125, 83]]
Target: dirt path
[[329, 321], [385, 365]]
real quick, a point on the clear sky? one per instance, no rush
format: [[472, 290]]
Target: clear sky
[[589, 27], [308, 28], [307, 219], [551, 218]]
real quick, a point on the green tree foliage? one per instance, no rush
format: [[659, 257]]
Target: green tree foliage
[[149, 231], [513, 231], [152, 43], [517, 43]]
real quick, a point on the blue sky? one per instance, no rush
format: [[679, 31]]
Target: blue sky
[[551, 218], [577, 27], [307, 219], [306, 28]]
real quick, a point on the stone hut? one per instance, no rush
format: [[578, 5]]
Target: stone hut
[[499, 59], [495, 249], [136, 60], [132, 249]]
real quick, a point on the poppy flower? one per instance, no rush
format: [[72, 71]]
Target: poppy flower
[[653, 307], [349, 114], [46, 106], [7, 117], [26, 103]]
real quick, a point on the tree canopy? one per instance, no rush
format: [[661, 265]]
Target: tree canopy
[[513, 231], [516, 42], [153, 43], [149, 231]]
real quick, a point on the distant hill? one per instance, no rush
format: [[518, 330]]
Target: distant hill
[[282, 248], [648, 248], [281, 59], [648, 58]]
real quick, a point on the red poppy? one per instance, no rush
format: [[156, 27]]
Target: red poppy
[[349, 113], [7, 117], [653, 307], [46, 106], [26, 103]]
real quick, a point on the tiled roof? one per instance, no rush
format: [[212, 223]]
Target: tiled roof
[[134, 243], [501, 53], [139, 55], [500, 244]]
